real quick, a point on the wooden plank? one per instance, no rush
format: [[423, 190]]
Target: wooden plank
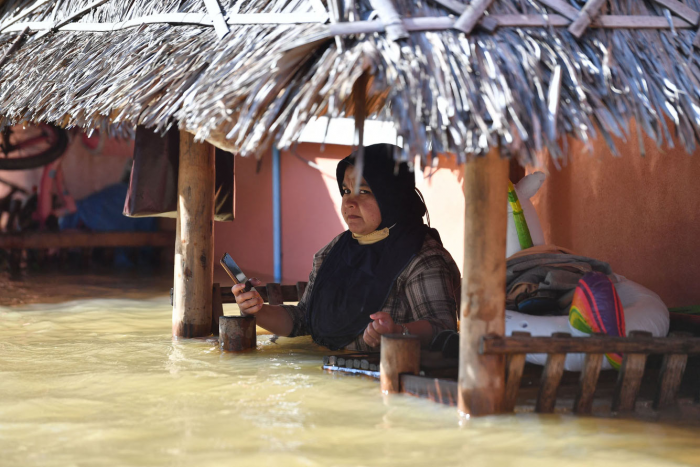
[[551, 377], [588, 13], [629, 379], [436, 23], [514, 374], [289, 294], [472, 15], [40, 240], [482, 377], [672, 370], [670, 377], [561, 7], [301, 288], [583, 404], [593, 344], [682, 10], [274, 293], [487, 23], [442, 391]]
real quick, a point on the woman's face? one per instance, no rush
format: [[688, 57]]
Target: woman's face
[[360, 211]]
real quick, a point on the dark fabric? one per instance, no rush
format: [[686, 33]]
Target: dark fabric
[[355, 280], [153, 183]]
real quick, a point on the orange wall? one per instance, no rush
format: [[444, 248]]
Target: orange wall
[[311, 211], [641, 214]]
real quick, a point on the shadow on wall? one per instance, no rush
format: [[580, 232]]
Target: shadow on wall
[[637, 213]]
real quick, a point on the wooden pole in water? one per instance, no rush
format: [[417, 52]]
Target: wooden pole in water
[[481, 383], [194, 241], [237, 333], [399, 354]]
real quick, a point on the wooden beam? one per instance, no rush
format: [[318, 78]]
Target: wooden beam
[[588, 13], [393, 25], [472, 15], [194, 243], [593, 344], [482, 377], [682, 10], [290, 293], [214, 10], [274, 293], [68, 239]]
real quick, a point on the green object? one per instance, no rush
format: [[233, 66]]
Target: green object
[[521, 227]]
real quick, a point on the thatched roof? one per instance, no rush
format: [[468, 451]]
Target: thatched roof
[[445, 90]]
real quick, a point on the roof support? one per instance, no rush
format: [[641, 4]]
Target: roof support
[[194, 240], [472, 15], [481, 385], [588, 13], [214, 10], [395, 29]]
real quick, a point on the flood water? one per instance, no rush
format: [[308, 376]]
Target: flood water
[[90, 376]]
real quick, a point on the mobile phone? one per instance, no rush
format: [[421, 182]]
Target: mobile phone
[[235, 272]]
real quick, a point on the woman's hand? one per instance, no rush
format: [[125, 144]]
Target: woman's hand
[[248, 302], [382, 324]]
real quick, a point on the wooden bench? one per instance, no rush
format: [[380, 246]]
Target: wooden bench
[[17, 242], [431, 384], [674, 350]]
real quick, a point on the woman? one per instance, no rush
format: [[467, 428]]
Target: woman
[[388, 273]]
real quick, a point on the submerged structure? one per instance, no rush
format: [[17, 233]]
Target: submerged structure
[[484, 81]]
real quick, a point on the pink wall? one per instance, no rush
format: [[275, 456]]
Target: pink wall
[[638, 213]]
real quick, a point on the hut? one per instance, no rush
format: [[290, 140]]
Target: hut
[[485, 81]]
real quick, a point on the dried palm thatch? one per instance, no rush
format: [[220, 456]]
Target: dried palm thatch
[[446, 91]]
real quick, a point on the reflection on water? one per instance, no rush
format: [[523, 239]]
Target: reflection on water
[[101, 382]]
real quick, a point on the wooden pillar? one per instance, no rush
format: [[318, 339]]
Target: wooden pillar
[[194, 240], [481, 383], [399, 354]]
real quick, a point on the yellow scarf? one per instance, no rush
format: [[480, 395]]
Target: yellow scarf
[[372, 237]]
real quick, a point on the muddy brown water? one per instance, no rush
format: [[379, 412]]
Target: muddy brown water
[[90, 376]]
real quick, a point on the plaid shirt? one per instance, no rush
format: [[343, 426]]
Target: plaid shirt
[[427, 289]]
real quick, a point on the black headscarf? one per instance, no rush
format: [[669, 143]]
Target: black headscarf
[[354, 280]]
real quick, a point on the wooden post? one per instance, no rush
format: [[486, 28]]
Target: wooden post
[[194, 241], [482, 377], [399, 354], [237, 333], [551, 377]]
